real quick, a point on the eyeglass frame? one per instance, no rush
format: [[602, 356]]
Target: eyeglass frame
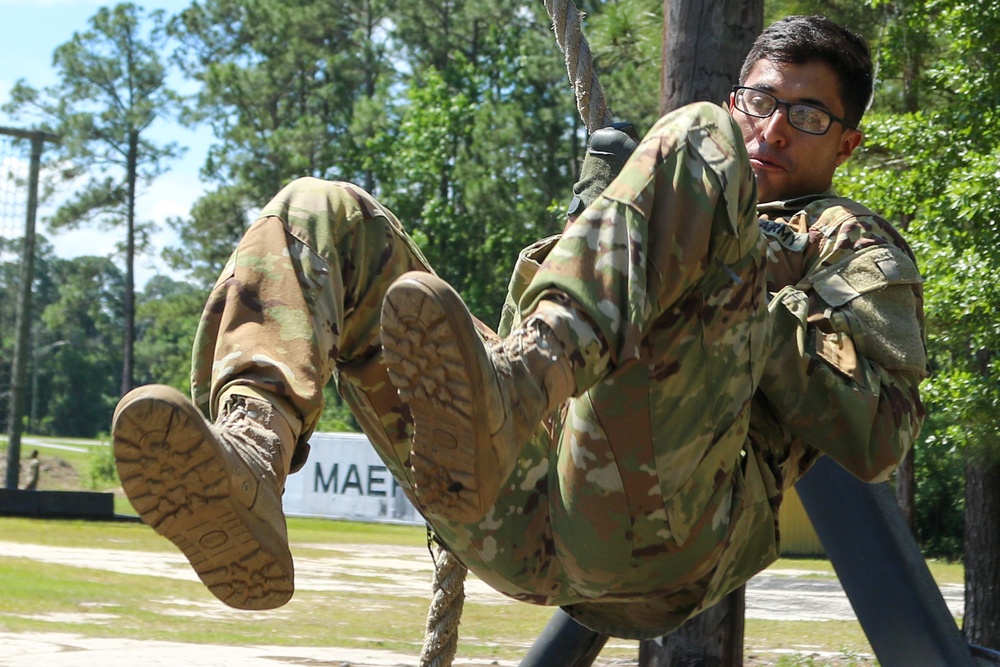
[[788, 108]]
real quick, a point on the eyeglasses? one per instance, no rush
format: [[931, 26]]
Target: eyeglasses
[[804, 117]]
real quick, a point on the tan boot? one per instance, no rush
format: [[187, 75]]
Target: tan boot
[[214, 490], [474, 403]]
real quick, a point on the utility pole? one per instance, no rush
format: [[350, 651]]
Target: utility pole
[[23, 318]]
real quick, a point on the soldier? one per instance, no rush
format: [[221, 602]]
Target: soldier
[[34, 464], [664, 368]]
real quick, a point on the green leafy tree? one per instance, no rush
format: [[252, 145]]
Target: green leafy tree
[[167, 317], [86, 315], [290, 89], [625, 37], [934, 168], [111, 89], [43, 293], [462, 124], [483, 158]]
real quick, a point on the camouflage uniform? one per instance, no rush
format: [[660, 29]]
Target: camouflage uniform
[[655, 491]]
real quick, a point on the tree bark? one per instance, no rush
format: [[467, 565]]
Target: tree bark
[[982, 553], [713, 638], [906, 489], [128, 335], [704, 44]]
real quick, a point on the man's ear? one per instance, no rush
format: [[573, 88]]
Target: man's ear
[[850, 140]]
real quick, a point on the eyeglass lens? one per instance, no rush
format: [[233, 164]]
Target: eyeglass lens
[[801, 116]]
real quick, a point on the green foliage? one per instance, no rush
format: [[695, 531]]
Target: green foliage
[[929, 164], [336, 417], [625, 38], [111, 89], [101, 471], [167, 316], [85, 315], [290, 89], [463, 125]]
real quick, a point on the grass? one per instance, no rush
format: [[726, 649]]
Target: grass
[[46, 597], [43, 597], [49, 597]]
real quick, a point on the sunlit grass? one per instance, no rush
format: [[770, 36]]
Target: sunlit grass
[[42, 597]]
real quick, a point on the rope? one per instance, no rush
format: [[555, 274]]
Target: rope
[[590, 99], [441, 633]]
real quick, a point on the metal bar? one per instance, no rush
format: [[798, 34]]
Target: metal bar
[[564, 643], [880, 566]]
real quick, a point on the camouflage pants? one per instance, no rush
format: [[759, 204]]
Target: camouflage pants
[[634, 504]]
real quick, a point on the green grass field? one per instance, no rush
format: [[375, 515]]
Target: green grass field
[[39, 595]]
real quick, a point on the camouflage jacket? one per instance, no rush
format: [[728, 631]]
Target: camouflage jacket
[[846, 356], [848, 343]]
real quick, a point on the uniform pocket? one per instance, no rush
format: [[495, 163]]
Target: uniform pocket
[[874, 299]]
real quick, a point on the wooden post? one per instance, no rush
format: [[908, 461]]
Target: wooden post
[[704, 44], [23, 316], [713, 638]]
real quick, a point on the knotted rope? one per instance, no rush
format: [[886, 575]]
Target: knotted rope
[[441, 632]]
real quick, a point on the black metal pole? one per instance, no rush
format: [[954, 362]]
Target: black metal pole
[[564, 643], [897, 602]]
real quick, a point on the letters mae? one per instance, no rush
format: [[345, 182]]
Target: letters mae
[[365, 480]]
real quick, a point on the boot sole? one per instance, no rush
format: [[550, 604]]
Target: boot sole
[[177, 478], [431, 351]]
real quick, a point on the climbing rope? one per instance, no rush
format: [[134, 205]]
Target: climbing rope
[[441, 632], [590, 100], [448, 587]]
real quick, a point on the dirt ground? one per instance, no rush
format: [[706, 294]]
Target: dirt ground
[[54, 473]]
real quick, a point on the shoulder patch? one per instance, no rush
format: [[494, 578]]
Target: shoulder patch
[[784, 234]]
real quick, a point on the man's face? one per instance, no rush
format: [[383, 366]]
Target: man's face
[[789, 162]]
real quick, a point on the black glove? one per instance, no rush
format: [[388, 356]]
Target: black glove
[[607, 151]]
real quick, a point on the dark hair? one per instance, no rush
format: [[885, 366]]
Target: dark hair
[[802, 39]]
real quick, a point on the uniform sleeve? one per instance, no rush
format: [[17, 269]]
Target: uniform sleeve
[[847, 350]]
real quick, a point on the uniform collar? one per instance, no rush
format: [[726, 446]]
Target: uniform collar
[[793, 205]]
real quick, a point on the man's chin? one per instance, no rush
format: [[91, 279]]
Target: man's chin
[[765, 188]]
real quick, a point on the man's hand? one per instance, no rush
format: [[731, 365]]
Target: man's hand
[[607, 152]]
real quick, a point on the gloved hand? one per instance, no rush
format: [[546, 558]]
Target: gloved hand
[[607, 151]]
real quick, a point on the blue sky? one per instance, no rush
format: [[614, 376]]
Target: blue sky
[[32, 30]]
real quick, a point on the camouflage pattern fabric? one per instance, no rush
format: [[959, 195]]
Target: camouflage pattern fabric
[[654, 492]]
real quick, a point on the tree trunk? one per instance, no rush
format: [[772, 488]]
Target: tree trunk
[[128, 344], [704, 44], [906, 489], [713, 638], [982, 553]]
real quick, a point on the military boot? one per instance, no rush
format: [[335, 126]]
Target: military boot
[[214, 490], [475, 401]]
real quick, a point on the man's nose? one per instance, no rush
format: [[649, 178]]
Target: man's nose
[[776, 126]]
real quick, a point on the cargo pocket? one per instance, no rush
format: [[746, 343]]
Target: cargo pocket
[[874, 311]]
